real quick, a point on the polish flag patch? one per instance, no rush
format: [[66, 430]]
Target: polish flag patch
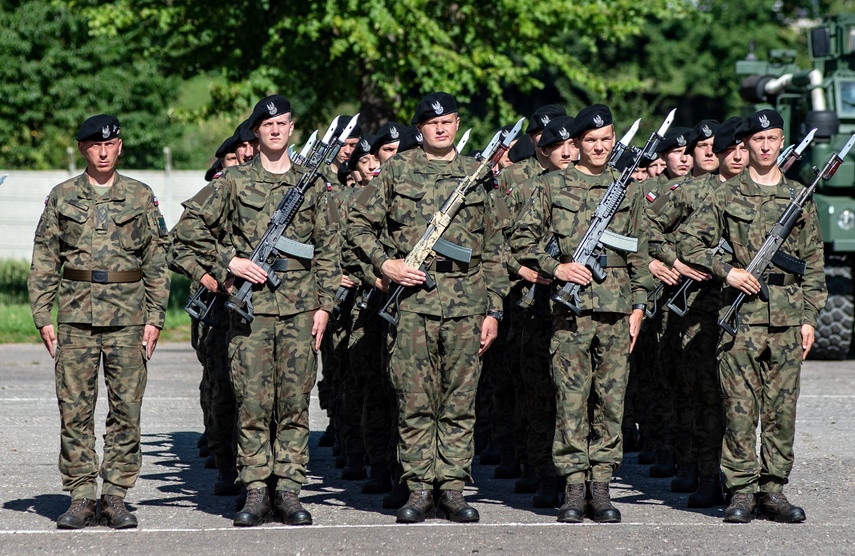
[[651, 196]]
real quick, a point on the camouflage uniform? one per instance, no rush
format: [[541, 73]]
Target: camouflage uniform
[[590, 353], [434, 362], [121, 231], [759, 369], [272, 364]]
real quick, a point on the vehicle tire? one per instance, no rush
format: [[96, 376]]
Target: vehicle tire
[[834, 323]]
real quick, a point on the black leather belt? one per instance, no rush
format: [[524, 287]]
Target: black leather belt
[[281, 265], [606, 260], [449, 265], [102, 276], [779, 279]]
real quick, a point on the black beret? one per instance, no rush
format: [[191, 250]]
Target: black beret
[[391, 132], [269, 107], [543, 116], [411, 138], [645, 161], [244, 133], [213, 170], [701, 132], [521, 150], [674, 137], [433, 105], [361, 149], [556, 131], [228, 146], [725, 137], [591, 117], [343, 172], [343, 120], [102, 127], [628, 157], [759, 121]]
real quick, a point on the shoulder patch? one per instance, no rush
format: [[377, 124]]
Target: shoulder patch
[[650, 197]]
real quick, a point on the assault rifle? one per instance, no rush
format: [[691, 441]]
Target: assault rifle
[[431, 244], [623, 144], [463, 140], [770, 253], [597, 237], [679, 302], [303, 155], [274, 244]]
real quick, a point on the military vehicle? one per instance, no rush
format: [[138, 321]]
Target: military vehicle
[[822, 97]]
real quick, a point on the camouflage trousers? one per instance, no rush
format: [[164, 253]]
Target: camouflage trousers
[[273, 369], [508, 415], [221, 422], [657, 361], [590, 366], [760, 373], [197, 332], [82, 348], [647, 408], [434, 369], [533, 334]]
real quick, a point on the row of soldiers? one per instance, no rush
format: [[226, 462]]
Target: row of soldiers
[[406, 392]]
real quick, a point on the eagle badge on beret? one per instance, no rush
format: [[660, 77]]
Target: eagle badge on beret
[[706, 131], [271, 108], [105, 131], [564, 134], [764, 121], [393, 132], [437, 107], [598, 120], [681, 141], [544, 119], [364, 145]]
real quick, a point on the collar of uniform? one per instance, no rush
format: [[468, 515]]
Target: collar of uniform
[[455, 166], [749, 188], [573, 174], [86, 191], [261, 175]]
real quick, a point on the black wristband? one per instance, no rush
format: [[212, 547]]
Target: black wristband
[[639, 306], [498, 315]]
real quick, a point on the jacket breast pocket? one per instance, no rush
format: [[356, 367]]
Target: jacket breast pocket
[[742, 233], [72, 220], [565, 215], [473, 211], [251, 202], [133, 230], [404, 208]]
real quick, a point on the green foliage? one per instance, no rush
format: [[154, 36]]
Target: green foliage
[[13, 281]]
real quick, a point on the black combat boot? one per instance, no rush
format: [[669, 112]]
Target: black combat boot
[[686, 479], [547, 494], [741, 508], [509, 468], [452, 503], [115, 514], [80, 514], [289, 509], [379, 480], [665, 465], [709, 493], [573, 508], [211, 461], [630, 438], [327, 438], [417, 508], [776, 506], [601, 504], [255, 509], [647, 455], [226, 483], [354, 468], [528, 483]]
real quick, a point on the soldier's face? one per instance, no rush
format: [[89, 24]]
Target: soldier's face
[[678, 162], [366, 166], [560, 155], [764, 147], [505, 161], [732, 160], [594, 146], [438, 133], [346, 150], [655, 168], [101, 156], [245, 152], [640, 174], [387, 151], [705, 158], [274, 133], [230, 159]]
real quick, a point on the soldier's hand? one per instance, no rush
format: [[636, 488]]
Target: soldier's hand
[[742, 280], [533, 276], [489, 331], [382, 284], [150, 336], [574, 272], [398, 271], [690, 272], [807, 339], [635, 320], [210, 283], [347, 282], [661, 271], [48, 335], [247, 270], [319, 325]]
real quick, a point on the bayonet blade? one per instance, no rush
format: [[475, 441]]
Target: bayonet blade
[[491, 147], [512, 134], [630, 135], [463, 140], [330, 130], [307, 148], [805, 142], [3, 178], [348, 128], [843, 152], [667, 123]]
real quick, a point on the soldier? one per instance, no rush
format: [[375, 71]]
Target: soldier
[[350, 144], [387, 141], [273, 365], [247, 142], [655, 167], [700, 147], [590, 361], [434, 362], [759, 368], [99, 246]]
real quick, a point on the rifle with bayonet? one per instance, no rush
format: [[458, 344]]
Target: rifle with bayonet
[[463, 140], [431, 243], [597, 237], [770, 252], [679, 302], [301, 157], [274, 245]]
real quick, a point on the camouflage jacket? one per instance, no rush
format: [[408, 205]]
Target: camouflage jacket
[[122, 230], [180, 257], [398, 205], [564, 206], [229, 219], [743, 212], [516, 184]]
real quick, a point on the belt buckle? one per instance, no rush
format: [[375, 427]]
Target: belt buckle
[[99, 276], [444, 265]]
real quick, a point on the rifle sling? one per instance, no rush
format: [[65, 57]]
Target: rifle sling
[[606, 260]]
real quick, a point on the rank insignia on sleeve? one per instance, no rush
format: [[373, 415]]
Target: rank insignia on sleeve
[[651, 196]]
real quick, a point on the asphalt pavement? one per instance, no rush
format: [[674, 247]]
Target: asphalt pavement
[[178, 513]]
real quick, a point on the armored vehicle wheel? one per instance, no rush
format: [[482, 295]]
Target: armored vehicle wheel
[[834, 324]]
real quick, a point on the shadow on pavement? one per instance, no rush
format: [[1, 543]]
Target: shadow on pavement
[[50, 506]]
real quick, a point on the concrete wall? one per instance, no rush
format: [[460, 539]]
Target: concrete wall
[[22, 197]]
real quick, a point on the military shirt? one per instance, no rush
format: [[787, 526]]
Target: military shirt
[[180, 257], [398, 206], [743, 212], [121, 230], [564, 206], [232, 219]]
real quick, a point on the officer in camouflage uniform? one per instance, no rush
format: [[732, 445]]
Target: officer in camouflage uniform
[[759, 368], [99, 247], [590, 352], [273, 364], [434, 362]]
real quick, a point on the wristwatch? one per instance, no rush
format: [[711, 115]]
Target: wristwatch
[[498, 315]]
